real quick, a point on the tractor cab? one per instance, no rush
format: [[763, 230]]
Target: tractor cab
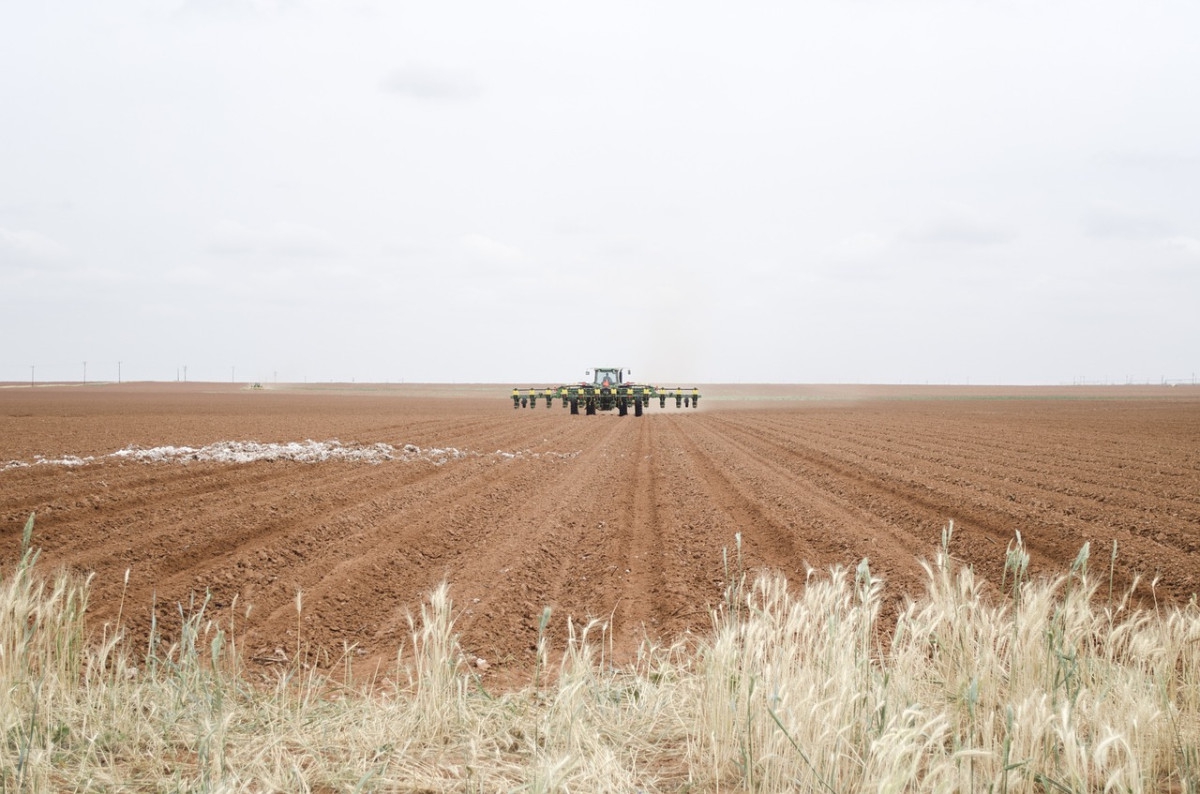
[[608, 377]]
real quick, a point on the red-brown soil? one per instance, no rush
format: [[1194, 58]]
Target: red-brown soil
[[623, 519]]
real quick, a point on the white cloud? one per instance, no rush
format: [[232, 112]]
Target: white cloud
[[1148, 160], [190, 276], [864, 252], [858, 248], [293, 239], [426, 82], [1188, 245], [24, 247], [282, 239], [232, 238], [1111, 221], [233, 8], [963, 229], [489, 250]]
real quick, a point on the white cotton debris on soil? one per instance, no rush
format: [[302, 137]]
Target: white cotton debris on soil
[[38, 460], [525, 453], [297, 451], [66, 460]]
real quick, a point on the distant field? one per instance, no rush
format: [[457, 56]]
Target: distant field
[[405, 486]]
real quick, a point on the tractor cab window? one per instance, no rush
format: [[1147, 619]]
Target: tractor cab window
[[610, 377]]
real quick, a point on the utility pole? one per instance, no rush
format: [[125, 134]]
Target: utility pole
[[31, 376], [85, 372], [118, 372]]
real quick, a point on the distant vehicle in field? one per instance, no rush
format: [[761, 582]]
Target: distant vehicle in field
[[607, 390]]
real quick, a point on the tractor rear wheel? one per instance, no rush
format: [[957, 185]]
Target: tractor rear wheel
[[637, 408], [574, 407]]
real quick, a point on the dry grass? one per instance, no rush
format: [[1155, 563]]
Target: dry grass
[[1030, 686]]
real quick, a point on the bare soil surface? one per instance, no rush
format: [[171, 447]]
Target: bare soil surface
[[624, 519]]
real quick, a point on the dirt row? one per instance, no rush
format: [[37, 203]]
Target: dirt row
[[627, 520]]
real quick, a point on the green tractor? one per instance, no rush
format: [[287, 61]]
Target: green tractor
[[607, 390]]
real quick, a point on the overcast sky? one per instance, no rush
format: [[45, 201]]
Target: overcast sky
[[851, 191]]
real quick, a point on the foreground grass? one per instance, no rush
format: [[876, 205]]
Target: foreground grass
[[1027, 686]]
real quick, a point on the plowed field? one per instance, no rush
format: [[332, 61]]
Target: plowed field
[[623, 519]]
